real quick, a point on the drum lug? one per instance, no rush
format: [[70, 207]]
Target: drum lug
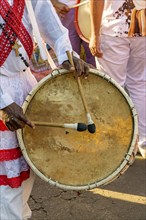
[[53, 73], [131, 159], [89, 187]]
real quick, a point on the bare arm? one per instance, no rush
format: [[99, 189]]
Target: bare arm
[[61, 9], [96, 11]]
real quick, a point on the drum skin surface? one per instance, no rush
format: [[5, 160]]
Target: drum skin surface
[[65, 155]]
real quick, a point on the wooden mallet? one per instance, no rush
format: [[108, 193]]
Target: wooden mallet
[[91, 125], [75, 126]]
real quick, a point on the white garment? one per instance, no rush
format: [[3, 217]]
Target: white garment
[[68, 2], [124, 60], [13, 202], [116, 20], [17, 87], [139, 4], [53, 32], [14, 87]]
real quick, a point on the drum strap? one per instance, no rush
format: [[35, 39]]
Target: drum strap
[[13, 28]]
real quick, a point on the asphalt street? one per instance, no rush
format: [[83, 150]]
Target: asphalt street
[[123, 199]]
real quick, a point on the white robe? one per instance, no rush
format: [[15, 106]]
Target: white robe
[[52, 32], [15, 84], [69, 2]]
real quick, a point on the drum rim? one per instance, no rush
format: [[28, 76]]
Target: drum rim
[[119, 170], [78, 29]]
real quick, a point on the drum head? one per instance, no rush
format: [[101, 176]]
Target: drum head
[[68, 158], [83, 21]]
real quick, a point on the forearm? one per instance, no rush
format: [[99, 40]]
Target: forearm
[[54, 2], [96, 11], [52, 30]]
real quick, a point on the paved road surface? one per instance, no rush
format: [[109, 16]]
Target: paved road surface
[[123, 199]]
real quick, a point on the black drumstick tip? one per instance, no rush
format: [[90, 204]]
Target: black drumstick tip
[[91, 128], [81, 127]]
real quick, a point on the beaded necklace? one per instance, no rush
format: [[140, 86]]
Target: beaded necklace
[[14, 44], [13, 29]]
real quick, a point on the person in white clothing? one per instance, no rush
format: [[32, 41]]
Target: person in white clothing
[[67, 16], [119, 44], [16, 81]]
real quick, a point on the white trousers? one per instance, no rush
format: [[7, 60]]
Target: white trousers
[[13, 201], [124, 60]]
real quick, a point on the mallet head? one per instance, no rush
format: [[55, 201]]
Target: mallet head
[[81, 127], [91, 128]]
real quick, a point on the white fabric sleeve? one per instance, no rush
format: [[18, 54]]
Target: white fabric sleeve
[[51, 29], [140, 4], [5, 99]]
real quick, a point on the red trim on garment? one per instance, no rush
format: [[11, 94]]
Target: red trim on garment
[[3, 127], [77, 25], [13, 29], [10, 154], [14, 182]]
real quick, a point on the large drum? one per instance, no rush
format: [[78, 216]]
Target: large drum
[[82, 20], [76, 160]]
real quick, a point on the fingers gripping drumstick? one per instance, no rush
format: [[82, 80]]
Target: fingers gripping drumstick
[[76, 126], [91, 125]]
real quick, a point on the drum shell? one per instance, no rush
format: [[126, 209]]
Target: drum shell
[[114, 144], [82, 21]]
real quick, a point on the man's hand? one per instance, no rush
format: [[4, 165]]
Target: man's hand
[[61, 8], [94, 46], [81, 67], [16, 119]]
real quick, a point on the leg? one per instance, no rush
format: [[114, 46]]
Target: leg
[[13, 201], [136, 81], [68, 22], [11, 204], [27, 188], [115, 58]]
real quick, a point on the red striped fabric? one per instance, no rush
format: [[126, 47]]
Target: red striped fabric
[[10, 154], [14, 28], [14, 182], [3, 126]]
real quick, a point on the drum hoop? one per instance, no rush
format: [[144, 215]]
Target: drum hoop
[[128, 155], [77, 25]]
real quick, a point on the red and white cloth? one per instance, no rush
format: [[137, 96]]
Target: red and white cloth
[[13, 27], [13, 167], [15, 84]]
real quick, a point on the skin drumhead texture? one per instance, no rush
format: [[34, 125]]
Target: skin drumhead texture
[[68, 156]]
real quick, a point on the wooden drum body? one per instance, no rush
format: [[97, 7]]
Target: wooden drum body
[[76, 160], [83, 20]]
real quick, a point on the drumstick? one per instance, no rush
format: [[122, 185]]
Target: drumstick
[[75, 126], [77, 5], [91, 125], [43, 50]]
